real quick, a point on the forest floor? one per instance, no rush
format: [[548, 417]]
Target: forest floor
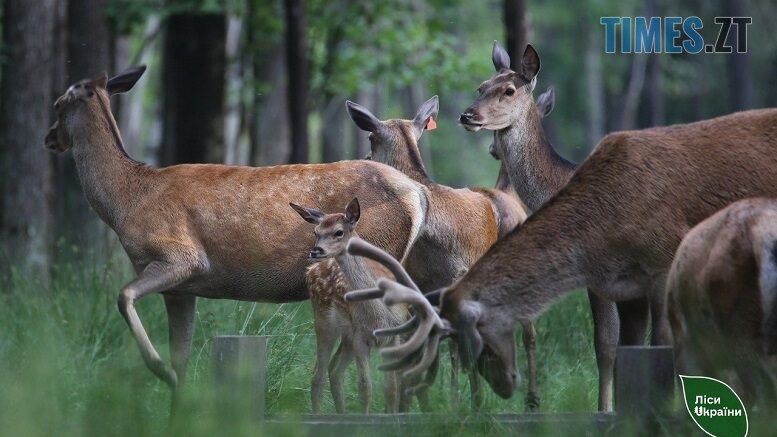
[[69, 366]]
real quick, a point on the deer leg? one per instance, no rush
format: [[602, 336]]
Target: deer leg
[[392, 387], [391, 391], [633, 316], [606, 328], [325, 342], [529, 344], [662, 333], [337, 366], [455, 369], [155, 278], [475, 389], [180, 320], [362, 353]]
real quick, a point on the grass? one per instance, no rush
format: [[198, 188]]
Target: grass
[[69, 366]]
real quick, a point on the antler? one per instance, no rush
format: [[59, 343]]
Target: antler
[[359, 247], [420, 350]]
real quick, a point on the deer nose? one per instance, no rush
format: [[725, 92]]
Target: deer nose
[[317, 252], [466, 117]]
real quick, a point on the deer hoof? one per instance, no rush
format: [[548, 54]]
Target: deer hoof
[[532, 402]]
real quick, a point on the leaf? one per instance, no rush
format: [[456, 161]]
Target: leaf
[[714, 406]]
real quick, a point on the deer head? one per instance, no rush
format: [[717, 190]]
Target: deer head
[[386, 137], [545, 104], [81, 103], [504, 98], [332, 231]]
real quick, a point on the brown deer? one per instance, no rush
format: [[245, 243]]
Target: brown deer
[[334, 319], [215, 231], [722, 294], [614, 228], [461, 224], [505, 105]]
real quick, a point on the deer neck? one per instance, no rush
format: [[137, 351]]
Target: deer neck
[[537, 172], [524, 272], [111, 180], [356, 270], [406, 157]]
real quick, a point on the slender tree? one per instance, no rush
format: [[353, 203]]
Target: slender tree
[[297, 64], [25, 108], [194, 62], [740, 73], [516, 28]]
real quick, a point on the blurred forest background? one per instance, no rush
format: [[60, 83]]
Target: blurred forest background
[[262, 82]]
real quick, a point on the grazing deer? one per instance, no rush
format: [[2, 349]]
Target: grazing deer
[[215, 231], [722, 294], [614, 228], [537, 171], [461, 224], [334, 319]]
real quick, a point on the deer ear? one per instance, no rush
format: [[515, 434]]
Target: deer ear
[[546, 101], [353, 212], [500, 58], [530, 63], [363, 117], [101, 81], [426, 115], [123, 82], [310, 215]]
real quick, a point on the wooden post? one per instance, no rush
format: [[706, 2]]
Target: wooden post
[[239, 370], [644, 381]]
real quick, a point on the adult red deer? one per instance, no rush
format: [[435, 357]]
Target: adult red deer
[[614, 228], [505, 105], [722, 294], [215, 231], [461, 224]]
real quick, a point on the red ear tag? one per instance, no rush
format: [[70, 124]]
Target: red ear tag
[[431, 124]]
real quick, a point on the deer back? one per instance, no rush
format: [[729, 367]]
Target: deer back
[[238, 219]]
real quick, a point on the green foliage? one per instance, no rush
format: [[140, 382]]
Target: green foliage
[[66, 350]]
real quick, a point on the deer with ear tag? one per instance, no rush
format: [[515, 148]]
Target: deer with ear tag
[[462, 223], [614, 228], [185, 227]]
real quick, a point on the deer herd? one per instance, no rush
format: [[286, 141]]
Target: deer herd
[[668, 227]]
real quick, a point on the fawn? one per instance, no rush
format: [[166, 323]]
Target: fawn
[[328, 280]]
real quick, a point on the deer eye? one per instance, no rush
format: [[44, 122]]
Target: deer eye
[[510, 91], [339, 234]]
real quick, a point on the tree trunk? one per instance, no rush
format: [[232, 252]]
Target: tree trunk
[[297, 64], [516, 28], [25, 108], [233, 113], [268, 115], [271, 132], [740, 74], [193, 88], [653, 113], [332, 130], [594, 89]]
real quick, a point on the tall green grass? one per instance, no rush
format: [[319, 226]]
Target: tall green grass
[[69, 366]]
